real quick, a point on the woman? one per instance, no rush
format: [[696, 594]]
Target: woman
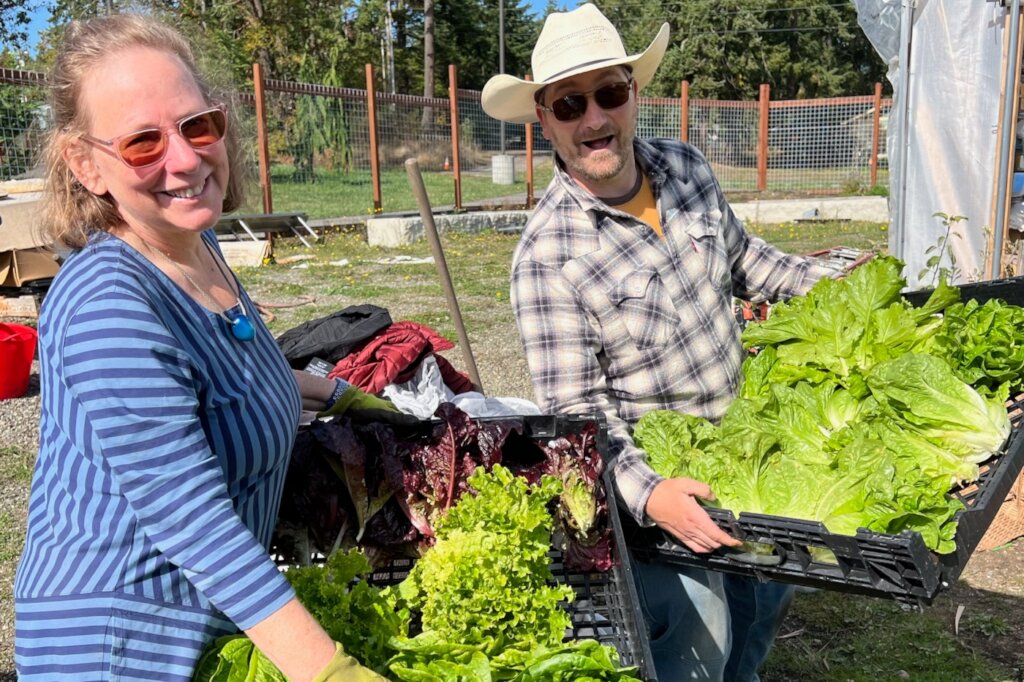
[[168, 412]]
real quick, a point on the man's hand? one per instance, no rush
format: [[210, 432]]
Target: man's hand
[[673, 506]]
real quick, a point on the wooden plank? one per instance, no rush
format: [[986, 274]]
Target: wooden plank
[[529, 160], [261, 137], [762, 138], [371, 115], [453, 108]]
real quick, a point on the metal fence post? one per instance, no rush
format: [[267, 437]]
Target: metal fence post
[[371, 115], [261, 137], [875, 133], [453, 104], [529, 159], [684, 111], [762, 139]]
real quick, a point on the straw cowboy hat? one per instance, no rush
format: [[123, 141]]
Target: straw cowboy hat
[[570, 43]]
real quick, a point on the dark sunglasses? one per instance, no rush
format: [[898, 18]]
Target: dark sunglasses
[[572, 107], [146, 147]]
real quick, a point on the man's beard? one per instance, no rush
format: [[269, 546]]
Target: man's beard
[[608, 167]]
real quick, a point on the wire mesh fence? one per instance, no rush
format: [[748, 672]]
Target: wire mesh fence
[[726, 133], [482, 140], [821, 143], [24, 122], [318, 145], [658, 117], [322, 144]]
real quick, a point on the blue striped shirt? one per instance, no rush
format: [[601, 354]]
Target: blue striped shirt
[[164, 443]]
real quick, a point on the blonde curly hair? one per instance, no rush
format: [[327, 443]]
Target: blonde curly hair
[[71, 213]]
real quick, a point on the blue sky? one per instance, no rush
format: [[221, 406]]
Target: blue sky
[[40, 16]]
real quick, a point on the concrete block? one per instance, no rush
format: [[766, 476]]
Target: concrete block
[[870, 209], [390, 232]]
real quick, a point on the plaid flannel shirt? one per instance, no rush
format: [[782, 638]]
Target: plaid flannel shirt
[[615, 320]]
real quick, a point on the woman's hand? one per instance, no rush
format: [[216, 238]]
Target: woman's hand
[[344, 668], [315, 391], [674, 507], [364, 407], [334, 397], [294, 642]]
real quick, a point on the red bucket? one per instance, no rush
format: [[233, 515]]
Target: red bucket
[[17, 348]]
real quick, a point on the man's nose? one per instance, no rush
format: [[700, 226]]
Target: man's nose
[[594, 116]]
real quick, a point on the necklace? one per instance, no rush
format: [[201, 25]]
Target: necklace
[[235, 316]]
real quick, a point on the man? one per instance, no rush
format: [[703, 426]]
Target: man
[[623, 288]]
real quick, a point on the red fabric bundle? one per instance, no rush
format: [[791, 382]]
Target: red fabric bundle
[[393, 355]]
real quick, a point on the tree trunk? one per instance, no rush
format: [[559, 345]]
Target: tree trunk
[[257, 18], [428, 61]]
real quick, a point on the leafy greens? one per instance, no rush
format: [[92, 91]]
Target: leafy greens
[[853, 412], [480, 605]]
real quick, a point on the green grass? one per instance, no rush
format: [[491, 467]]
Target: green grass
[[337, 194], [11, 538], [839, 181], [16, 463], [806, 237], [836, 637], [479, 267], [334, 194]]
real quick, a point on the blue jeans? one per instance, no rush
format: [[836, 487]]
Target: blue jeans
[[707, 625]]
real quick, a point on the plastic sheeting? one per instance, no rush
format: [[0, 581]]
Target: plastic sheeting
[[421, 395], [951, 98]]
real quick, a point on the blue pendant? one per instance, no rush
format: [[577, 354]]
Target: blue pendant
[[241, 327]]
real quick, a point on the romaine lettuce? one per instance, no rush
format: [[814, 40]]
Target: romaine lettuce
[[845, 417]]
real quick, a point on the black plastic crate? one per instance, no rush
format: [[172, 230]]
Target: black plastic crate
[[900, 566], [1010, 290], [606, 607]]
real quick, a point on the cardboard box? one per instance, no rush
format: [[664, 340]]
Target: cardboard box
[[20, 226], [26, 265], [245, 254]]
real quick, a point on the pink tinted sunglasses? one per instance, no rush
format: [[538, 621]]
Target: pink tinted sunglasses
[[147, 147]]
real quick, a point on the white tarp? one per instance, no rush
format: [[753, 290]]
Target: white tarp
[[952, 96]]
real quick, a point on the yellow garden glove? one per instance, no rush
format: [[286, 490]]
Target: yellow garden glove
[[344, 668], [362, 406]]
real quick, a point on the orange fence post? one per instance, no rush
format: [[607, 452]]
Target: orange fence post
[[684, 111], [762, 139], [371, 114], [529, 159], [453, 105], [261, 137], [876, 133]]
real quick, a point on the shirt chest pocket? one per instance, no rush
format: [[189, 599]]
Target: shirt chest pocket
[[706, 239], [644, 307]]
